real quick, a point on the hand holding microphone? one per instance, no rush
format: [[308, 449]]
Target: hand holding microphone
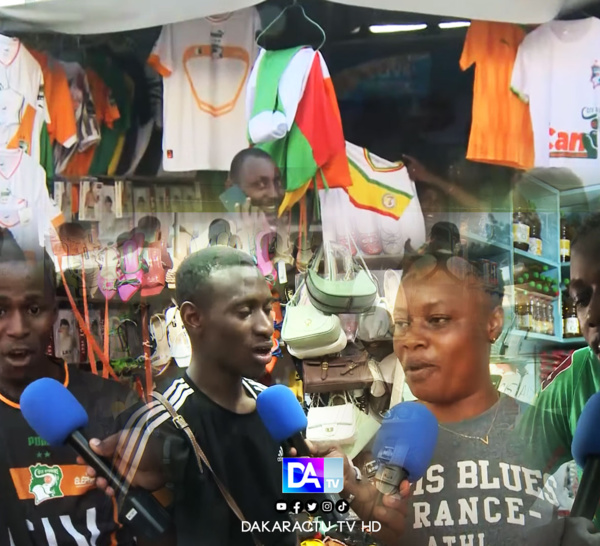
[[586, 452], [57, 417]]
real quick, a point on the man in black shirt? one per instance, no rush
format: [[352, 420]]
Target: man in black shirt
[[48, 496], [225, 305]]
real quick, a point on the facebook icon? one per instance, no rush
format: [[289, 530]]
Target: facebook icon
[[316, 475]]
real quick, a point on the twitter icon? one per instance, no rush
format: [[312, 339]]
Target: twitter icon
[[311, 506]]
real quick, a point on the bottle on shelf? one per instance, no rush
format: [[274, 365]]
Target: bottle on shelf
[[520, 230], [538, 321], [535, 232], [522, 311], [571, 326], [565, 241], [550, 309]]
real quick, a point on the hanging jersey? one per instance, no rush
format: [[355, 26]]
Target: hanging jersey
[[25, 205], [62, 127], [88, 130], [22, 74], [501, 131], [381, 210], [557, 71], [58, 500], [205, 64], [246, 459]]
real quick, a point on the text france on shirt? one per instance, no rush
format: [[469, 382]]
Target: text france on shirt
[[479, 502]]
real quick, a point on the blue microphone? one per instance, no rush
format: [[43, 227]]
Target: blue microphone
[[284, 417], [286, 421], [404, 445], [586, 452], [57, 417]]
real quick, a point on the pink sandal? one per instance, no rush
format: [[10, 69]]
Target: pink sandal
[[154, 280], [263, 242], [108, 275], [131, 268]]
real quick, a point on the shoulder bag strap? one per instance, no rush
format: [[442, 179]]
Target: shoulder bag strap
[[201, 458]]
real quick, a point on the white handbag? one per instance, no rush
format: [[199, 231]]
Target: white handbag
[[332, 425]]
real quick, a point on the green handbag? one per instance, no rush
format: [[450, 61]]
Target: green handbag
[[354, 292]]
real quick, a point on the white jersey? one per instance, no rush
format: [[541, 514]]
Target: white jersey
[[380, 211], [22, 85], [205, 64], [25, 206], [557, 71]]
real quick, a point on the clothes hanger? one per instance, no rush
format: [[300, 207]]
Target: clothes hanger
[[287, 38]]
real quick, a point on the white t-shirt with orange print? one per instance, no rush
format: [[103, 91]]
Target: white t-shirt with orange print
[[205, 64]]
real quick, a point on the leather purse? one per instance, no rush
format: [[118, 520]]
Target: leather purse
[[308, 333], [345, 372], [355, 292]]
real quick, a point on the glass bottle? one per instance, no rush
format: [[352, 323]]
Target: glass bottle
[[565, 241], [571, 322], [520, 230], [550, 310], [535, 235]]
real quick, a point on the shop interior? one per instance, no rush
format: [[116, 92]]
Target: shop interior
[[402, 96]]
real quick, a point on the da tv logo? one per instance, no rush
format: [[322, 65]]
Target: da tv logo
[[317, 475]]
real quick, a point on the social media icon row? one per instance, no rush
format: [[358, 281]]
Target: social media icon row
[[312, 506]]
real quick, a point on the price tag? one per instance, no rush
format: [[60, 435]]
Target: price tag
[[282, 273]]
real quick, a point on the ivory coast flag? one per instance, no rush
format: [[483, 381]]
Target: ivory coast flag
[[313, 146], [378, 185]]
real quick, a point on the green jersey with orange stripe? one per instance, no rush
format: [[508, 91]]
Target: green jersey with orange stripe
[[58, 502]]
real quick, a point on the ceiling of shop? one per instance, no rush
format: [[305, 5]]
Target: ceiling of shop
[[101, 16]]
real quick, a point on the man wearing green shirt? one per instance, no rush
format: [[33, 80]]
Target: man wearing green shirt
[[552, 421]]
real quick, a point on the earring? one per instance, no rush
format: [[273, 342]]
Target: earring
[[493, 340]]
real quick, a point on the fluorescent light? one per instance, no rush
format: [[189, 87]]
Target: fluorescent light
[[385, 29], [454, 24]]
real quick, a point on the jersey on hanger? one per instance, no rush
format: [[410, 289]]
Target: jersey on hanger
[[557, 71], [381, 209], [205, 64], [58, 500], [24, 109], [501, 131], [25, 205]]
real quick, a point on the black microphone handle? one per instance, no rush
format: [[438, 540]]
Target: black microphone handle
[[138, 508], [81, 444], [298, 442], [588, 492]]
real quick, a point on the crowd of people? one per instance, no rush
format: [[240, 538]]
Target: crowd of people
[[485, 485]]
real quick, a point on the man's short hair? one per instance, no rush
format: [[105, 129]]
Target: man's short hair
[[589, 226], [11, 252], [193, 275], [239, 159]]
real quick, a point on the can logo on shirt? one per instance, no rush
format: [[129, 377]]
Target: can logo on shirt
[[169, 154]]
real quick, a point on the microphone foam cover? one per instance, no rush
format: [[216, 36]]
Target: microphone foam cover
[[281, 412], [52, 411], [586, 441], [407, 438]]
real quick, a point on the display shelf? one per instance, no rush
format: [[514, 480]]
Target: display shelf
[[574, 341], [542, 337], [493, 244], [532, 258]]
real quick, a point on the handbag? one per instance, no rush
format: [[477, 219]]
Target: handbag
[[345, 372], [201, 458], [308, 333], [333, 424], [354, 293], [376, 324]]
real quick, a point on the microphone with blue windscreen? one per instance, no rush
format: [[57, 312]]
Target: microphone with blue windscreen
[[283, 417], [58, 418], [586, 452], [404, 445]]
